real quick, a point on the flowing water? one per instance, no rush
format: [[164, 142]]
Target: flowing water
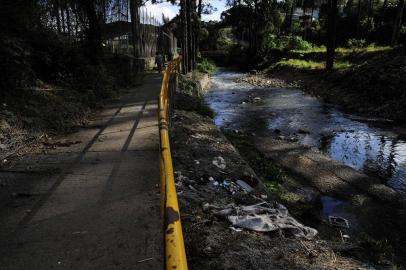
[[354, 141]]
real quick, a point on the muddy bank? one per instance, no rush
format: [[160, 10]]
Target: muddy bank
[[211, 241], [278, 131], [314, 188]]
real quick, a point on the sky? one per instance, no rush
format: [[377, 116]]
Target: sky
[[170, 10]]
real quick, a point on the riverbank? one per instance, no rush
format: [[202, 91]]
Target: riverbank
[[314, 187], [370, 83], [208, 166]]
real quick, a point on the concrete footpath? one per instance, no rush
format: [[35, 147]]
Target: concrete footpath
[[91, 202]]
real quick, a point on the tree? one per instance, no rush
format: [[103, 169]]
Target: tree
[[331, 33], [135, 25], [398, 22]]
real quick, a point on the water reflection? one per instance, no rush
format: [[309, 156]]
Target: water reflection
[[376, 151]]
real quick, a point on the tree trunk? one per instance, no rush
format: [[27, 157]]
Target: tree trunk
[[135, 26], [63, 19], [199, 9], [398, 23], [68, 20], [58, 17], [359, 20], [183, 16], [190, 35], [290, 22], [94, 29], [312, 14], [331, 33]]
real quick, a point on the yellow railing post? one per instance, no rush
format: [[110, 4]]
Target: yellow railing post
[[175, 255]]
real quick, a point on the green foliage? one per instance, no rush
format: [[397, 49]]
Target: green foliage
[[286, 43], [322, 49], [354, 43], [225, 39], [188, 98], [214, 36], [204, 65], [310, 65]]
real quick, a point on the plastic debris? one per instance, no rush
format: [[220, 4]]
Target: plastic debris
[[338, 222], [262, 217], [235, 229], [219, 162], [247, 188], [145, 260]]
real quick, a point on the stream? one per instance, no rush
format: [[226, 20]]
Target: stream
[[363, 144]]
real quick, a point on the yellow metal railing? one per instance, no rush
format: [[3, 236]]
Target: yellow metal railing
[[175, 256]]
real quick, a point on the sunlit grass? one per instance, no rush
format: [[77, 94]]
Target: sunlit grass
[[322, 49], [311, 65]]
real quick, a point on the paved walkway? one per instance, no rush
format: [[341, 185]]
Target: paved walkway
[[93, 201]]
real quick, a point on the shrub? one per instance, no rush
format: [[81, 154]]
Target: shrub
[[273, 42], [206, 66], [311, 65], [354, 43]]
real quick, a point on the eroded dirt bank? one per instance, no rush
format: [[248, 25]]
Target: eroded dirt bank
[[206, 187], [315, 187]]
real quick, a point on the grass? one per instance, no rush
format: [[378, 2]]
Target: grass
[[311, 65], [206, 66], [343, 50]]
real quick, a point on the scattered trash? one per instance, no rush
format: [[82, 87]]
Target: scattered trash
[[197, 162], [82, 232], [338, 222], [235, 229], [247, 188], [344, 237], [256, 99], [230, 186], [145, 260], [262, 217], [219, 162], [211, 179], [264, 197]]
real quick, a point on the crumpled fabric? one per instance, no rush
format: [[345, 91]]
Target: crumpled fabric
[[263, 217]]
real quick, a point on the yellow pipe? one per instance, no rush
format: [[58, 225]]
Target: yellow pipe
[[175, 255]]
